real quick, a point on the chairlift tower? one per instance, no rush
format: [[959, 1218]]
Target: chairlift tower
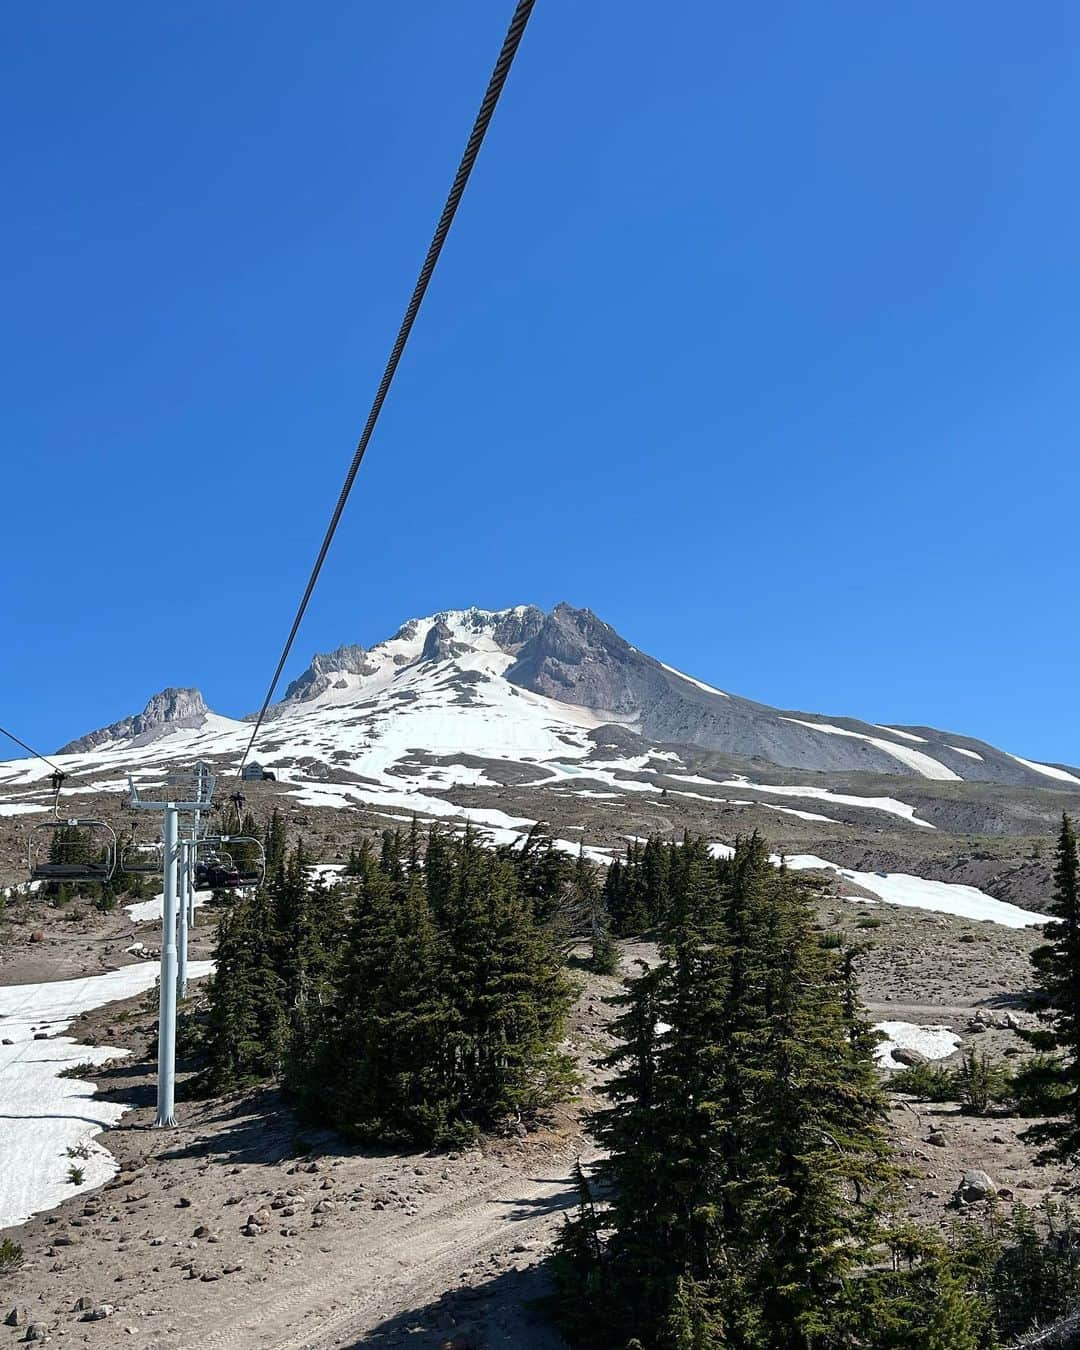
[[188, 791]]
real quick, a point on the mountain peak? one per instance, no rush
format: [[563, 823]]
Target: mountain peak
[[348, 659], [168, 707]]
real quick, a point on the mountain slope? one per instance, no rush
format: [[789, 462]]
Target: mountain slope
[[521, 686], [513, 717]]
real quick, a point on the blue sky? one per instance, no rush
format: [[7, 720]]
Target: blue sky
[[756, 334]]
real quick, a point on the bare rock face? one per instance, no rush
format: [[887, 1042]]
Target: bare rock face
[[574, 657], [439, 645], [171, 707], [345, 660]]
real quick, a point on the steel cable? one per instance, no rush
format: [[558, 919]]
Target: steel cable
[[468, 159]]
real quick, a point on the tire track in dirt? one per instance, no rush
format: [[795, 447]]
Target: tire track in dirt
[[403, 1270]]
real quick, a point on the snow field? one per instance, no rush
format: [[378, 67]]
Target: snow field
[[43, 1114]]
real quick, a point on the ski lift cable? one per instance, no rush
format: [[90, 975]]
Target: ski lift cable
[[468, 159], [37, 754]]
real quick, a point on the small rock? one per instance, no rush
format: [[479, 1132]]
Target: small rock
[[209, 1275], [99, 1313], [36, 1331], [36, 936], [83, 1304], [16, 1318], [202, 1231], [183, 1203], [1004, 1193], [937, 1138]]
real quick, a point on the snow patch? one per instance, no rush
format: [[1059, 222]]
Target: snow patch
[[942, 897], [44, 1114], [1049, 770], [914, 759], [888, 804], [936, 1042], [904, 735], [699, 684]]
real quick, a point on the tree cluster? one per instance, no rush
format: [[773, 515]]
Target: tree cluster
[[421, 999], [747, 1198]]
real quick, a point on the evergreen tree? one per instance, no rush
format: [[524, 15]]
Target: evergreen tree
[[1057, 968], [747, 1162], [443, 1011], [275, 843], [247, 1025]]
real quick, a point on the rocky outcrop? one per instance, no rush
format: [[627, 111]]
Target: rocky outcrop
[[345, 660], [171, 707], [577, 658]]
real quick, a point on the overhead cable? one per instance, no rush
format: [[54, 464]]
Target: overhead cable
[[468, 159]]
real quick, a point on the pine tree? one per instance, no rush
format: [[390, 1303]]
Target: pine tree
[[443, 1012], [275, 843], [1057, 968], [747, 1163], [247, 1028], [395, 1035]]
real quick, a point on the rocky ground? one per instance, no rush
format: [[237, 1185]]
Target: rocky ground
[[240, 1228]]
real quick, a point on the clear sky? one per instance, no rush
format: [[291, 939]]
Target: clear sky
[[756, 333]]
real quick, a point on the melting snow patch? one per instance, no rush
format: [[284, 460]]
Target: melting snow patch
[[145, 911], [18, 808], [904, 735], [803, 815], [937, 1042], [46, 1115], [1049, 770], [700, 684], [942, 897], [969, 753], [887, 804], [914, 759]]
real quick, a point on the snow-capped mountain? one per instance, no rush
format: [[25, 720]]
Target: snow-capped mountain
[[506, 718], [166, 711], [524, 686]]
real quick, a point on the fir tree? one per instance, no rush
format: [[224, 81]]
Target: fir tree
[[247, 1026], [1057, 968], [747, 1162]]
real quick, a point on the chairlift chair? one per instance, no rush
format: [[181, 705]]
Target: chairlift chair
[[75, 849], [140, 859], [241, 866]]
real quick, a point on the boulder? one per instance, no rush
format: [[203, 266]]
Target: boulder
[[17, 1317], [976, 1185], [98, 1314], [904, 1054]]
